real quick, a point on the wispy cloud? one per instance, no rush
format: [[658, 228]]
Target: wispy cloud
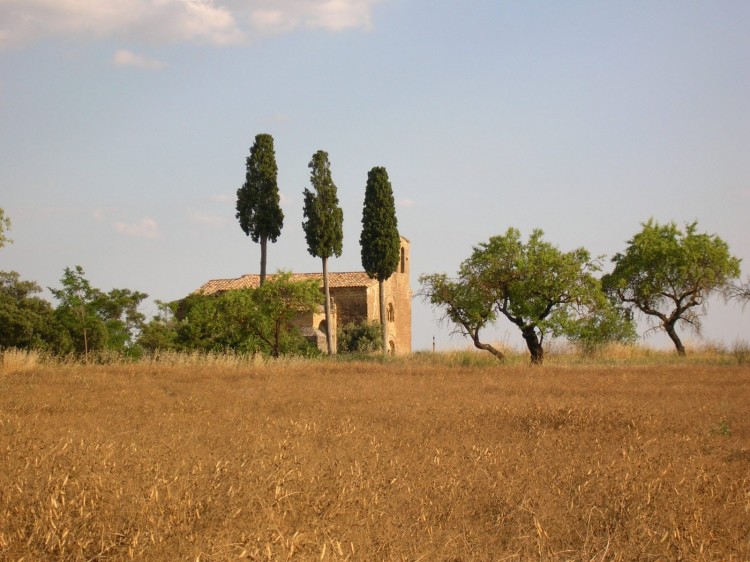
[[406, 203], [144, 228], [282, 16], [123, 57], [338, 15], [217, 22], [272, 21], [207, 219], [223, 198], [152, 21]]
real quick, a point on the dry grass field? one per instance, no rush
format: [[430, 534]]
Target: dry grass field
[[417, 459]]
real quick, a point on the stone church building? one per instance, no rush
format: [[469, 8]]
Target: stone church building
[[354, 298]]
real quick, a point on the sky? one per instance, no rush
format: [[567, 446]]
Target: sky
[[125, 125]]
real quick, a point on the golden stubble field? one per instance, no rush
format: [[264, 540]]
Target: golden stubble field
[[404, 460]]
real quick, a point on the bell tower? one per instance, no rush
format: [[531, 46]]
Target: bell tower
[[398, 316]]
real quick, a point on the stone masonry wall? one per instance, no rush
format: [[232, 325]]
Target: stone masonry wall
[[351, 304], [355, 304]]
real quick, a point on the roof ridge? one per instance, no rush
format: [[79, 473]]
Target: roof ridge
[[252, 280]]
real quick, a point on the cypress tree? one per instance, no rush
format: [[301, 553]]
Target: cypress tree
[[380, 241], [324, 224], [258, 201]]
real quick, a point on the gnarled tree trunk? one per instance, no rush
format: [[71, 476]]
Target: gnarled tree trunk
[[669, 328], [535, 346], [487, 347]]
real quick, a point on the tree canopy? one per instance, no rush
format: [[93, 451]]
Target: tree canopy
[[324, 219], [94, 319], [258, 201], [360, 337], [77, 310], [5, 225], [26, 320], [380, 241], [667, 274], [463, 305], [324, 223], [533, 284], [277, 303], [252, 320]]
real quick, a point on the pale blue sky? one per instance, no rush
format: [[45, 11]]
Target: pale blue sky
[[124, 128]]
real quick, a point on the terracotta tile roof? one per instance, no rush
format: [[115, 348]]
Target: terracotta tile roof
[[349, 279]]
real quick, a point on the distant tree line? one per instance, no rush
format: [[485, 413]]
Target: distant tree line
[[85, 319]]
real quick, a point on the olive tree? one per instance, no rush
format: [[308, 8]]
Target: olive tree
[[667, 274]]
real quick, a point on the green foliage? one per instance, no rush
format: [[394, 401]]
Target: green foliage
[[668, 274], [245, 321], [119, 311], [534, 285], [5, 225], [379, 241], [28, 321], [604, 324], [463, 306], [258, 202], [324, 224], [96, 320], [76, 311], [277, 303], [216, 323], [362, 337], [160, 333]]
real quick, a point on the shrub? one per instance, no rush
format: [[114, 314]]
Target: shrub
[[362, 337]]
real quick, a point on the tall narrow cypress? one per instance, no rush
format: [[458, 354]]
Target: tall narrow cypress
[[258, 201], [380, 241], [324, 224]]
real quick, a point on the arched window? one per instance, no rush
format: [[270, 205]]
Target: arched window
[[323, 327], [403, 260], [391, 314], [392, 347]]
